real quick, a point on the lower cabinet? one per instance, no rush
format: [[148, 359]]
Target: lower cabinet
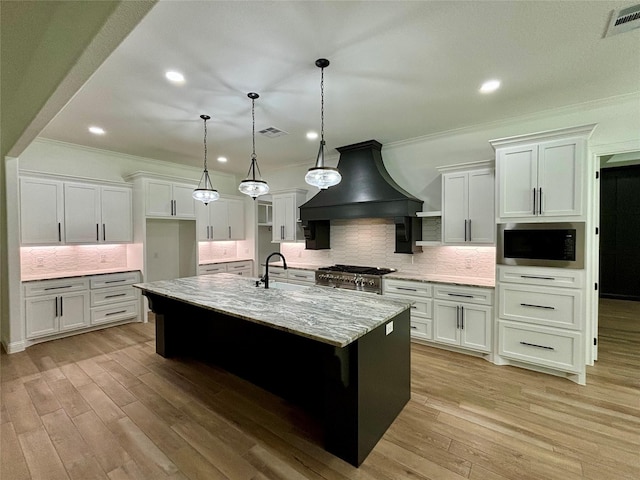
[[419, 293], [242, 267], [463, 325], [53, 307], [301, 277]]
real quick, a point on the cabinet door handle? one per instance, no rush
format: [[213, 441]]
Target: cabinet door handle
[[537, 346], [457, 317], [537, 306], [465, 230], [59, 232], [460, 295], [207, 232], [61, 314], [229, 231], [461, 317], [469, 229], [281, 232], [97, 232], [115, 313], [537, 277], [56, 299], [115, 295], [534, 201], [540, 201], [104, 233]]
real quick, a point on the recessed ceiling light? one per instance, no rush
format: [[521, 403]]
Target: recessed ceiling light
[[222, 159], [490, 86], [312, 135], [173, 76], [97, 130]]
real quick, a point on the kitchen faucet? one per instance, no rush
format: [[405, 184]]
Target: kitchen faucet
[[265, 277]]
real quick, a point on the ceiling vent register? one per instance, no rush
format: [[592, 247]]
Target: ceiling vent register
[[624, 20], [272, 132]]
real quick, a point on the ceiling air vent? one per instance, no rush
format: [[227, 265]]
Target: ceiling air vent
[[624, 20], [272, 132]]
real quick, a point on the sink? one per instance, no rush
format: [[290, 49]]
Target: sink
[[286, 286]]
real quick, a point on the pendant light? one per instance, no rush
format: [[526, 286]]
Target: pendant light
[[321, 176], [252, 186], [205, 191]]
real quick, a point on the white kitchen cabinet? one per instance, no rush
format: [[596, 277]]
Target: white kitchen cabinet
[[56, 306], [463, 317], [97, 214], [541, 176], [167, 199], [113, 298], [419, 294], [221, 220], [286, 205], [41, 211], [301, 277], [468, 207], [541, 318], [240, 267]]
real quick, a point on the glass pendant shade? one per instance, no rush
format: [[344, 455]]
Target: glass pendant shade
[[321, 176], [205, 192], [252, 186]]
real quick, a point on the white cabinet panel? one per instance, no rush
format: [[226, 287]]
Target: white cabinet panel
[[41, 315], [482, 217], [116, 214], [183, 203], [285, 216], [74, 310], [212, 268], [41, 211], [221, 220], [446, 324], [517, 179], [165, 199], [455, 207], [235, 210], [82, 213]]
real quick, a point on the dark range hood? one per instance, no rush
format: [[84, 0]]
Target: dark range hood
[[366, 191]]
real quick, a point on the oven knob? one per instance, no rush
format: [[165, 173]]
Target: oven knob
[[372, 283]]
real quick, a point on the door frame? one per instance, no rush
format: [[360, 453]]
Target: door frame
[[592, 242]]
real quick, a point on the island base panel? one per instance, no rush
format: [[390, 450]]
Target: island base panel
[[356, 391]]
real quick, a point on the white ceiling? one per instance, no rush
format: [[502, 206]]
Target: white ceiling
[[398, 70]]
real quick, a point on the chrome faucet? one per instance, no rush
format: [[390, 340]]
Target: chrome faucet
[[265, 277]]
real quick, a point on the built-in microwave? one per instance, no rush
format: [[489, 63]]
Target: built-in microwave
[[541, 244]]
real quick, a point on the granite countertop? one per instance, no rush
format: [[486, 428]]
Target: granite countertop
[[225, 260], [333, 316], [448, 279], [86, 273]]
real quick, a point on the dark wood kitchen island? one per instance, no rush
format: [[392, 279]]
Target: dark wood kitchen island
[[344, 356]]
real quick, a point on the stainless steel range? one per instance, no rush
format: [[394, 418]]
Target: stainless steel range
[[352, 277]]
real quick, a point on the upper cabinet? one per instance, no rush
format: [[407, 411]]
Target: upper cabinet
[[541, 176], [41, 211], [286, 207], [468, 207], [54, 212], [220, 220], [97, 214], [168, 199]]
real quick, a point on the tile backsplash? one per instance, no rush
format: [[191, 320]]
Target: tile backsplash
[[42, 261], [224, 250], [371, 242]]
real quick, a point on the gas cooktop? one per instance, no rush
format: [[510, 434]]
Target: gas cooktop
[[352, 277]]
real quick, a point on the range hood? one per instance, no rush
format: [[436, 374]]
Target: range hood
[[366, 191]]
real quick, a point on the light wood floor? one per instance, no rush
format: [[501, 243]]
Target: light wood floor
[[104, 405]]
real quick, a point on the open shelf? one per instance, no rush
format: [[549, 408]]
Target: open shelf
[[434, 213]]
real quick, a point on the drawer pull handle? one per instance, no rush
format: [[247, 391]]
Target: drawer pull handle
[[407, 289], [459, 295], [537, 277], [115, 295], [413, 306], [116, 281], [537, 306], [413, 327], [58, 288], [115, 313], [537, 346]]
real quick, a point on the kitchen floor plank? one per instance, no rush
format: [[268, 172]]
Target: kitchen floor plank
[[112, 408]]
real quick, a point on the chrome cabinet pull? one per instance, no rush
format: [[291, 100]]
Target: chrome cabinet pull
[[534, 201], [537, 346], [537, 306]]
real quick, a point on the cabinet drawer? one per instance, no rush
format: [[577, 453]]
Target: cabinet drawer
[[109, 296], [246, 272], [454, 293], [114, 279], [421, 329], [555, 307], [212, 268], [114, 313], [545, 346], [277, 272], [549, 277], [233, 267], [301, 276], [421, 307], [406, 287], [55, 287]]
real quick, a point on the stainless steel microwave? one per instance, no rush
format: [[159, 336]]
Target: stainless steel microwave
[[558, 245]]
